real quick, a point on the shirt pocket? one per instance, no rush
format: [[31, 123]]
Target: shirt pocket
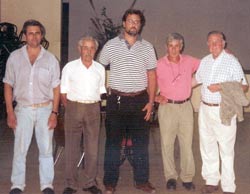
[[44, 77]]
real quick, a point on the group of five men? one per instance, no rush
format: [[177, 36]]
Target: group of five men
[[32, 79]]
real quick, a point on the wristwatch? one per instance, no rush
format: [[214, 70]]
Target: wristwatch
[[54, 112]]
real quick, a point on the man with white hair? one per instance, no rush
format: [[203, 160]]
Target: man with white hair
[[83, 82], [216, 139]]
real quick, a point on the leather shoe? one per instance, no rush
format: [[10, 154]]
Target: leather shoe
[[16, 191], [209, 189], [146, 187], [93, 190], [69, 190], [48, 191], [109, 189], [171, 184], [188, 186]]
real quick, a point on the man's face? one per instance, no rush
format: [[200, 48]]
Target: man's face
[[33, 36], [132, 25], [87, 50], [174, 48], [215, 44]]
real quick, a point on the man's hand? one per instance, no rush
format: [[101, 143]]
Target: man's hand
[[52, 122], [148, 108], [161, 99], [11, 120], [214, 88]]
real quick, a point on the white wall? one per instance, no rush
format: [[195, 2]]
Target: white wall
[[48, 12]]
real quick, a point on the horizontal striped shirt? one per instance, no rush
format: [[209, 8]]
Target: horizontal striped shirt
[[128, 64], [222, 69]]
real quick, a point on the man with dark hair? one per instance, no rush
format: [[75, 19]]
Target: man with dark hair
[[216, 139], [32, 80], [130, 100], [83, 82], [175, 113]]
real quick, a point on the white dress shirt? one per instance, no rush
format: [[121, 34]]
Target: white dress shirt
[[81, 83]]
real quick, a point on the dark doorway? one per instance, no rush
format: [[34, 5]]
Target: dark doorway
[[64, 34]]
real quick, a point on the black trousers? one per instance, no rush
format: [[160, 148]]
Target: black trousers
[[124, 114]]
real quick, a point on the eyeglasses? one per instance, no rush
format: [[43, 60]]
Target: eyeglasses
[[136, 22]]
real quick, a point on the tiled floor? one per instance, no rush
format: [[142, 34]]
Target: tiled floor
[[125, 185]]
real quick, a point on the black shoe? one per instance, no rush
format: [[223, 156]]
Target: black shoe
[[188, 186], [93, 190], [16, 191], [48, 191], [69, 190], [171, 184]]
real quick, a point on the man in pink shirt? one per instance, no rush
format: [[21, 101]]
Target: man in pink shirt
[[174, 77]]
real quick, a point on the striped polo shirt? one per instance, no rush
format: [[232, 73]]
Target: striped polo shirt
[[128, 64]]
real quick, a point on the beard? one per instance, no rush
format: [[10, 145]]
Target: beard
[[132, 32]]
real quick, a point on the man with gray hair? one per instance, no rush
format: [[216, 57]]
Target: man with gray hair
[[174, 77], [83, 82]]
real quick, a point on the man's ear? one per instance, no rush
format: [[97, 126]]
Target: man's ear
[[123, 24]]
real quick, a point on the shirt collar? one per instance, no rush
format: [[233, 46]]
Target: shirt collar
[[223, 52], [169, 62], [24, 50]]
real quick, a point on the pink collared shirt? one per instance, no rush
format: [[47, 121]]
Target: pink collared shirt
[[174, 79]]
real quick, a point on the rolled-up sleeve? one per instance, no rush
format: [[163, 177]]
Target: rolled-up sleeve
[[9, 77], [64, 81], [55, 72]]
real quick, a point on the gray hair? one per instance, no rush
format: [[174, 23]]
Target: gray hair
[[88, 38], [216, 32], [175, 36]]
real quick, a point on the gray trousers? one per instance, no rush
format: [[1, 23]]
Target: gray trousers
[[81, 119]]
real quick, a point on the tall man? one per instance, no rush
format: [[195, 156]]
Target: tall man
[[83, 82], [132, 90], [174, 77], [217, 140], [32, 80]]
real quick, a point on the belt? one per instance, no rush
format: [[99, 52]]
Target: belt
[[40, 104], [87, 101], [131, 94], [210, 104], [177, 101]]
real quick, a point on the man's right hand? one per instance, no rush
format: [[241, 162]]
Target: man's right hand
[[161, 99], [11, 120]]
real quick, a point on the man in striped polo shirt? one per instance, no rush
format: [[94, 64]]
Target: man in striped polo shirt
[[132, 84]]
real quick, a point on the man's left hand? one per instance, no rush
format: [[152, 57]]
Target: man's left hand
[[214, 88], [148, 108], [52, 122]]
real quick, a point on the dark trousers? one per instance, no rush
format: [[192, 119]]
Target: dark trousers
[[124, 114]]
